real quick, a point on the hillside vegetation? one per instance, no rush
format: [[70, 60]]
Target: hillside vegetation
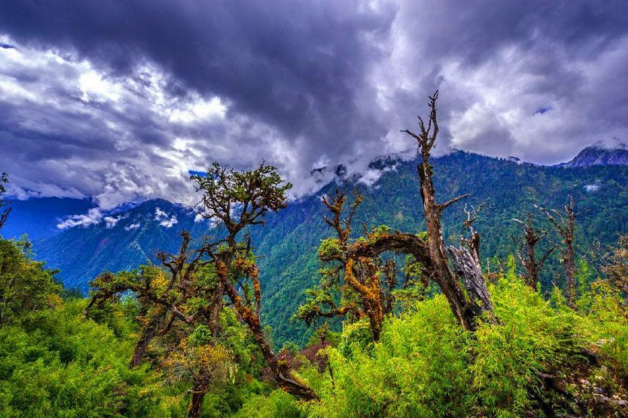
[[287, 244], [401, 318]]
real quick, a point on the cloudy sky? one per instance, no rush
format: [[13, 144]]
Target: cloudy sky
[[118, 100]]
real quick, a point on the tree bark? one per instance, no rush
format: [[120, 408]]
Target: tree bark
[[196, 403], [370, 293], [469, 270], [527, 251], [462, 308], [566, 227], [464, 311], [436, 246], [281, 372], [569, 263], [148, 334]]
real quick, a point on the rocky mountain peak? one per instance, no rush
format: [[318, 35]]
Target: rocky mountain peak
[[600, 155]]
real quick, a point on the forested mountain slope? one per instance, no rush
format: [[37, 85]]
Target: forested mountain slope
[[126, 241], [287, 244], [507, 190]]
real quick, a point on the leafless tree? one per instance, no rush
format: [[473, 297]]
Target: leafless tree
[[4, 208], [465, 261], [565, 225], [526, 250]]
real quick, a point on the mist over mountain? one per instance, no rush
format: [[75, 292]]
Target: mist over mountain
[[313, 209], [599, 155], [39, 218], [287, 244]]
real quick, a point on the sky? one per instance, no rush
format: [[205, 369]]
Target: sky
[[119, 100]]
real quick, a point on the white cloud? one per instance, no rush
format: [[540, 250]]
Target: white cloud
[[93, 217], [164, 218], [160, 214], [526, 90], [151, 137], [111, 221], [371, 176], [95, 87], [199, 111], [200, 217], [168, 223], [132, 227]]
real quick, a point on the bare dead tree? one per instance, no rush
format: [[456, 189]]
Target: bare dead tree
[[466, 311], [473, 242], [526, 250], [565, 225], [362, 266], [5, 210], [466, 262]]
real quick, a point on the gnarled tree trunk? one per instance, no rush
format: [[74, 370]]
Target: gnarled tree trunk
[[196, 403], [468, 269], [281, 372], [464, 309], [148, 333]]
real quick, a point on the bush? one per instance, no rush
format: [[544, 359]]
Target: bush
[[426, 366]]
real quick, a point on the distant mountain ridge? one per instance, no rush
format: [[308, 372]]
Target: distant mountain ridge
[[39, 217], [599, 155], [287, 245], [118, 242]]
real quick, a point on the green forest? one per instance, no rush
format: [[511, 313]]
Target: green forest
[[420, 318]]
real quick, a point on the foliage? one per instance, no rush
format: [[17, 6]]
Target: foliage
[[286, 247], [56, 363], [240, 198], [417, 369], [533, 336], [426, 366], [617, 269], [52, 362], [288, 244], [277, 404], [26, 287], [197, 322]]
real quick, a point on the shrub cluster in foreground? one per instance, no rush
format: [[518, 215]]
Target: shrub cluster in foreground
[[542, 355]]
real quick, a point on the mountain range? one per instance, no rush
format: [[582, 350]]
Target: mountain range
[[599, 155], [596, 178]]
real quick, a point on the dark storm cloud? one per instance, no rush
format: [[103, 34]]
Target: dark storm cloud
[[472, 31], [139, 88], [295, 65], [493, 59]]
